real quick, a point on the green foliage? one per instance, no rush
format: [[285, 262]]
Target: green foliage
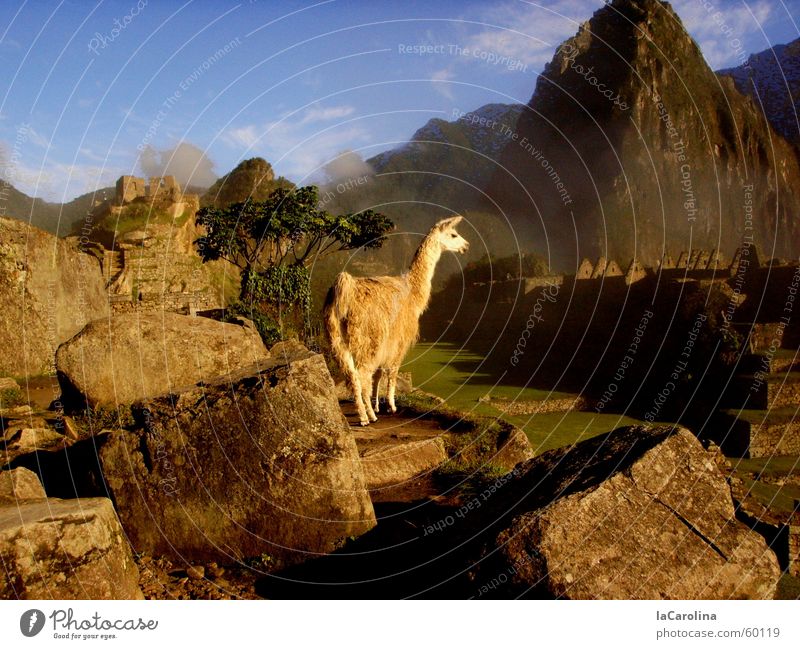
[[265, 324], [11, 397], [93, 420], [281, 286], [262, 563], [133, 216], [274, 242]]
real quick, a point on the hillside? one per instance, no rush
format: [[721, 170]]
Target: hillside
[[446, 163], [772, 79], [633, 146], [251, 179], [55, 218]]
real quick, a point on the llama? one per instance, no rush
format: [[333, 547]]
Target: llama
[[372, 322]]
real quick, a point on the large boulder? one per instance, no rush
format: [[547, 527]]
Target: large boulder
[[61, 549], [49, 289], [136, 356], [256, 463], [19, 484], [395, 464], [640, 513]]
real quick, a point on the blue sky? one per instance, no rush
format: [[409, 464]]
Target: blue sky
[[86, 86]]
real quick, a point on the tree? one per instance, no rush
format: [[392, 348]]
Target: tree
[[273, 242]]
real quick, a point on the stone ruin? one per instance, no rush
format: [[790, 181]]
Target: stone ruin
[[635, 272], [129, 188], [156, 268], [585, 270]]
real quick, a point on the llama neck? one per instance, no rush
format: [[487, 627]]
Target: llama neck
[[420, 275]]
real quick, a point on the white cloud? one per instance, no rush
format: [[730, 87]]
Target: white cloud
[[721, 28], [36, 138], [319, 114], [59, 182], [299, 144], [245, 136], [440, 79], [529, 32]]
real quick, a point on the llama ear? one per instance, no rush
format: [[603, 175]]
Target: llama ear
[[452, 222]]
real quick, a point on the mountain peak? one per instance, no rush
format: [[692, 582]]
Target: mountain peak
[[651, 148], [772, 79]]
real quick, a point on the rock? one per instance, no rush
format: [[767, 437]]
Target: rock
[[7, 383], [69, 428], [19, 484], [642, 512], [390, 465], [15, 412], [258, 462], [31, 439], [196, 572], [286, 349], [49, 290], [137, 356], [65, 549], [214, 571], [513, 447]]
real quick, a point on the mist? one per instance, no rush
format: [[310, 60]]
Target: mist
[[345, 166], [187, 162]]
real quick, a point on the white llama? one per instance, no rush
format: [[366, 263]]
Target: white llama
[[372, 322]]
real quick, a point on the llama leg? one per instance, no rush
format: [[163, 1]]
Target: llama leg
[[354, 383], [392, 381], [366, 394], [355, 386], [376, 389]]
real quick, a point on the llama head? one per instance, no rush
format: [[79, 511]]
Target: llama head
[[447, 236]]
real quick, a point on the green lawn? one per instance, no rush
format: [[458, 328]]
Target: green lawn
[[460, 378], [774, 467], [775, 498]]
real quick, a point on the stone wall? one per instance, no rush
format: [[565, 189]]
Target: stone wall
[[776, 439], [794, 543], [185, 303], [157, 267], [762, 438], [130, 188]]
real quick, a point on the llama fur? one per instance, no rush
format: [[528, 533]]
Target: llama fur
[[372, 322]]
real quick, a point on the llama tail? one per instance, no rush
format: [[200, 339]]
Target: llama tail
[[334, 312]]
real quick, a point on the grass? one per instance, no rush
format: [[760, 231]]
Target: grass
[[770, 467], [11, 397], [461, 378], [773, 497]]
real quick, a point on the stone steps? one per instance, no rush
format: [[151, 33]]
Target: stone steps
[[113, 265]]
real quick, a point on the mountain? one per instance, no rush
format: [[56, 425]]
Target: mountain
[[772, 79], [16, 205], [55, 218], [631, 145], [253, 179], [446, 163]]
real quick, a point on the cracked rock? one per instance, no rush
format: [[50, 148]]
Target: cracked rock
[[639, 513]]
